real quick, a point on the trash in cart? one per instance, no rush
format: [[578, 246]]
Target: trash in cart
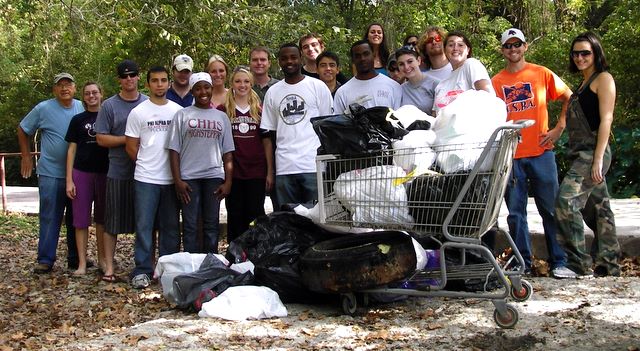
[[456, 202]]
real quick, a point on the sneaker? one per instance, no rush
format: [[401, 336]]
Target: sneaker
[[42, 268], [564, 273], [586, 275], [140, 281]]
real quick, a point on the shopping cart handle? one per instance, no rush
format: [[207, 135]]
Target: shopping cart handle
[[523, 123]]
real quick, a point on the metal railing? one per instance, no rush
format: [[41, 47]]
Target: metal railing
[[3, 175]]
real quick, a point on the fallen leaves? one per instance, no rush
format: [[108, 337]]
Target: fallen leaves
[[51, 310]]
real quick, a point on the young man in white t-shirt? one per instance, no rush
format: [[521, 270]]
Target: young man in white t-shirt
[[288, 108], [155, 198], [367, 88]]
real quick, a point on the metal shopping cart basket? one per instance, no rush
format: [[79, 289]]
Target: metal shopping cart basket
[[457, 200]]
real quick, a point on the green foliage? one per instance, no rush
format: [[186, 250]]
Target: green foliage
[[88, 38]]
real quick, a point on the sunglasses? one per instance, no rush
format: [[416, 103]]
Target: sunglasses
[[512, 45], [583, 53], [436, 39], [128, 75]]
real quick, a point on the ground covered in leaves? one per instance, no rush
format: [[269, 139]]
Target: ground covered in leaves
[[61, 311]]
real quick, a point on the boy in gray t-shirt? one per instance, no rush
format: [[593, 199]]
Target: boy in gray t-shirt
[[200, 150]]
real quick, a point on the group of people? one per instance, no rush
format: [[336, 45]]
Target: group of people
[[200, 137]]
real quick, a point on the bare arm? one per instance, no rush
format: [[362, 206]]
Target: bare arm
[[132, 145], [268, 152], [484, 84], [107, 140], [71, 156], [606, 91], [224, 189], [26, 164], [554, 134], [182, 188]]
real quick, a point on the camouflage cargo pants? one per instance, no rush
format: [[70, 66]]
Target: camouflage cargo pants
[[579, 198]]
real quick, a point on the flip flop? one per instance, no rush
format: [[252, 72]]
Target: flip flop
[[109, 278]]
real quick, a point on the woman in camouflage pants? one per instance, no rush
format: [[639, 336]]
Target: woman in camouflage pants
[[583, 193]]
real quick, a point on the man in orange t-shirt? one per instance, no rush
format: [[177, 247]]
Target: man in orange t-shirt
[[526, 88]]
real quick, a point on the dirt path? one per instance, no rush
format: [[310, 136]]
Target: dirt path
[[596, 314], [62, 312]]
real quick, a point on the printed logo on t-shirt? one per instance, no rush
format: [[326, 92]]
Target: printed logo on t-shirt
[[243, 125], [518, 97], [292, 109], [204, 128], [89, 127], [159, 126], [448, 98], [385, 94]]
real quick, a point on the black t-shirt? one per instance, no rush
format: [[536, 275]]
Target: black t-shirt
[[90, 157]]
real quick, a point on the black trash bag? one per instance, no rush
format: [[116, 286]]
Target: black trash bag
[[430, 198], [375, 118], [453, 258], [365, 132], [419, 125], [211, 279], [274, 245]]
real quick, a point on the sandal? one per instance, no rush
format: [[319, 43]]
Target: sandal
[[110, 278]]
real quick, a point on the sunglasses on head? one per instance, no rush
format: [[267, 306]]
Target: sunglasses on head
[[578, 53], [128, 75], [437, 38], [512, 45]]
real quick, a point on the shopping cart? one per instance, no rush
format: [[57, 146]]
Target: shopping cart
[[456, 200]]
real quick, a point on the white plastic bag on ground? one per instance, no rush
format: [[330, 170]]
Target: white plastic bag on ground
[[239, 303], [170, 266], [373, 195], [470, 119]]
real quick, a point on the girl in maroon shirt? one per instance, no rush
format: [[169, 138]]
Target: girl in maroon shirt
[[246, 200]]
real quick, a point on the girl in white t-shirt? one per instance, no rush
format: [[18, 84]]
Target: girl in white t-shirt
[[468, 73]]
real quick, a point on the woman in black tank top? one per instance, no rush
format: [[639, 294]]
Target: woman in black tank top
[[583, 193]]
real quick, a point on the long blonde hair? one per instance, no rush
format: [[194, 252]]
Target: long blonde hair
[[255, 110]]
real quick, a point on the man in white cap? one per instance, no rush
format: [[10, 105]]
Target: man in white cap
[[179, 91], [52, 118], [526, 88]]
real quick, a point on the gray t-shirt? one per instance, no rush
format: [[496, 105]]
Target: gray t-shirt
[[112, 120], [421, 95], [201, 137]]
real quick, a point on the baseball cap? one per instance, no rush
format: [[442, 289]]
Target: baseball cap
[[512, 33], [127, 67], [182, 62], [62, 75], [199, 77]]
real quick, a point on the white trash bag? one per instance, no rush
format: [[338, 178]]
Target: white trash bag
[[413, 152], [469, 121], [244, 302], [374, 195]]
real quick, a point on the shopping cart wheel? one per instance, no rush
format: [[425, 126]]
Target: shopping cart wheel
[[363, 299], [349, 303], [508, 320], [524, 293]]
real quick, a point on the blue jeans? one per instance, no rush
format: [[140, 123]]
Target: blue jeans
[[299, 188], [155, 206], [53, 202], [541, 174], [203, 200]]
